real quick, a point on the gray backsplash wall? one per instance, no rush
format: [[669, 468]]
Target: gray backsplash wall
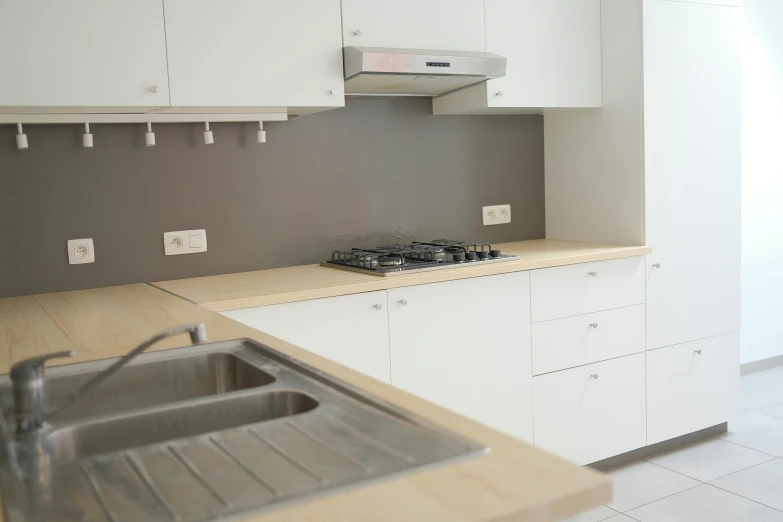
[[375, 171]]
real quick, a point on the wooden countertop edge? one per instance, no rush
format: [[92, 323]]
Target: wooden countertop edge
[[186, 288]]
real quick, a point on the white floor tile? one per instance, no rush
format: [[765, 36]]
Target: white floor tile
[[756, 431], [620, 518], [641, 482], [705, 504], [762, 483], [762, 388], [710, 459], [594, 515], [775, 410]]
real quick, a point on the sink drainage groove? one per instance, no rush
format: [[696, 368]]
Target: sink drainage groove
[[286, 456], [211, 432]]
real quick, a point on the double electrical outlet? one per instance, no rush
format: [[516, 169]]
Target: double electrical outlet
[[82, 251], [497, 214]]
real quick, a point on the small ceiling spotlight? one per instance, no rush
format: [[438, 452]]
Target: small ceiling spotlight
[[21, 138], [149, 137], [261, 133], [209, 139], [87, 137]]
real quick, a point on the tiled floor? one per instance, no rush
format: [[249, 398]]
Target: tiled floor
[[735, 477]]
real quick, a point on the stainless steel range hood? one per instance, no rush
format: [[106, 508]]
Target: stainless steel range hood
[[416, 72]]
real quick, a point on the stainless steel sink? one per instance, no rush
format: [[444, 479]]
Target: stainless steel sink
[[146, 383], [217, 431]]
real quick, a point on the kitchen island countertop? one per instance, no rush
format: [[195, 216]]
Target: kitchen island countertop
[[514, 482]]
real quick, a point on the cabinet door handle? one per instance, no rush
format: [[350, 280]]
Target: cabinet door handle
[[593, 274], [593, 325], [357, 32], [697, 352], [153, 88], [656, 265], [404, 302], [378, 307], [594, 376]]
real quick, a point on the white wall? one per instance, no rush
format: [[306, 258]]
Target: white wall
[[762, 181]]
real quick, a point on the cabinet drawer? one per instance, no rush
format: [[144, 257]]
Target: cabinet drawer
[[583, 339], [692, 386], [593, 412], [587, 287]]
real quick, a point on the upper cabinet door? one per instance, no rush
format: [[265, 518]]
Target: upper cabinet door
[[82, 54], [553, 50], [453, 25], [260, 53], [692, 129]]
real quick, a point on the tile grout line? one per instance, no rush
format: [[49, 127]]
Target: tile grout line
[[657, 500], [748, 447], [746, 498]]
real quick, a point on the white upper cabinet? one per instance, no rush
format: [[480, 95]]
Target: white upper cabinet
[[553, 49], [263, 53], [451, 346], [692, 125], [77, 55], [453, 25]]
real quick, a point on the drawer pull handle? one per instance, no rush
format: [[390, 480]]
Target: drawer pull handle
[[594, 376], [593, 325], [656, 265], [697, 352], [378, 307], [593, 274], [404, 302]]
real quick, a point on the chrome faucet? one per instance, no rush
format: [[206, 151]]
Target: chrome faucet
[[30, 408]]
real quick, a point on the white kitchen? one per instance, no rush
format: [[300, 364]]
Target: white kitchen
[[594, 338]]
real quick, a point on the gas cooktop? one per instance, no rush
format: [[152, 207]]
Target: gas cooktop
[[417, 256]]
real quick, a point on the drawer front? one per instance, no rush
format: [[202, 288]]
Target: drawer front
[[586, 419], [692, 386], [589, 338], [565, 291]]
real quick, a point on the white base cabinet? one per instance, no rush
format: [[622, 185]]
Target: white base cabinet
[[592, 412], [465, 345], [692, 386], [352, 330]]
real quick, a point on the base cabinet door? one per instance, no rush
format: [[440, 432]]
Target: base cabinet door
[[465, 345], [692, 386], [592, 412], [352, 330]]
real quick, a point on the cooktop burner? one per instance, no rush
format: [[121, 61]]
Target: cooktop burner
[[419, 256]]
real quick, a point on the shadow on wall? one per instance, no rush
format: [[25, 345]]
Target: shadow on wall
[[377, 171]]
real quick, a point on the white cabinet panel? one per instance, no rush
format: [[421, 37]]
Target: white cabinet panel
[[593, 412], [83, 53], [465, 345], [583, 339], [450, 25], [352, 330], [692, 386], [587, 287], [553, 50], [692, 80], [254, 54]]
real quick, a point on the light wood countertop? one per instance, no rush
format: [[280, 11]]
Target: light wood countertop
[[299, 283], [514, 482]]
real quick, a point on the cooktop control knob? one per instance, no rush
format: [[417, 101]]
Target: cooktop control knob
[[470, 256], [459, 257], [494, 253], [483, 254]]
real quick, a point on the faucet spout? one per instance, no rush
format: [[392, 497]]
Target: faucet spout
[[30, 407]]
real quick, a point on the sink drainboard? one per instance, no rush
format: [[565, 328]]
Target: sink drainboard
[[302, 434]]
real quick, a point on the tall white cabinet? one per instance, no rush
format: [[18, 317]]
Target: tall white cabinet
[[660, 164]]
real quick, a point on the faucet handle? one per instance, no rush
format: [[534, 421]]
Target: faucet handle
[[32, 367]]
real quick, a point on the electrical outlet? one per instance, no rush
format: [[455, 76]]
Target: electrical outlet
[[81, 251], [497, 214], [184, 242]]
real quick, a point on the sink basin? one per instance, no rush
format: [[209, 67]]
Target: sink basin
[[154, 383], [118, 433], [216, 431]]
